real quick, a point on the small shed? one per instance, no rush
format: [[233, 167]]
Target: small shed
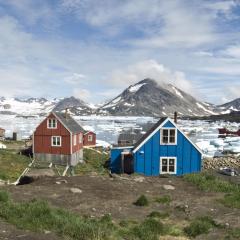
[[164, 149]]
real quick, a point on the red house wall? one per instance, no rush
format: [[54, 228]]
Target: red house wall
[[42, 138], [79, 145], [89, 143]]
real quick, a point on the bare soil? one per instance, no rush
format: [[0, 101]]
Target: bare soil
[[115, 195]]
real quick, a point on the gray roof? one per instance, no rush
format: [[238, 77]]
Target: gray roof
[[149, 132], [69, 122], [128, 136]]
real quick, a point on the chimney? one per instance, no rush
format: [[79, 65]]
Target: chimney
[[175, 117], [66, 113]]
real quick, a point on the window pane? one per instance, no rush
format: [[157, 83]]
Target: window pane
[[58, 141], [171, 161], [172, 136], [53, 123], [165, 139], [54, 141], [164, 161], [171, 169], [165, 132], [164, 168]]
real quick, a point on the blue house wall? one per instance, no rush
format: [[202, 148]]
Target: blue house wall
[[147, 157]]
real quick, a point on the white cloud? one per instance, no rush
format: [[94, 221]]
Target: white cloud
[[148, 69], [82, 94], [163, 23], [75, 78], [232, 51], [223, 7]]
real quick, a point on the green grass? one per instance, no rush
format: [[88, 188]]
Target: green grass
[[211, 183], [231, 200], [166, 199], [207, 182], [39, 216], [93, 162], [160, 215], [233, 233], [200, 225], [12, 164], [142, 201]]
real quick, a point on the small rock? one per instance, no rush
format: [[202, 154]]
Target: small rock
[[139, 179], [94, 209], [47, 232], [75, 190], [58, 182], [168, 187]]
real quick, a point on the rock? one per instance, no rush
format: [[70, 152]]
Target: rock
[[58, 182], [94, 209], [168, 187], [139, 179], [75, 190]]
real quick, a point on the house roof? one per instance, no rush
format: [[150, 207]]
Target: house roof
[[71, 124], [151, 130], [129, 136], [155, 128]]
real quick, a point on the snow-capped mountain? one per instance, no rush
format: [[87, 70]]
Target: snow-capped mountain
[[26, 107], [147, 98], [75, 106], [230, 106]]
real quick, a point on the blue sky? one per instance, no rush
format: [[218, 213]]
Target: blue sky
[[93, 49]]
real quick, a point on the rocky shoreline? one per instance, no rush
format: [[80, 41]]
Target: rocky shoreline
[[232, 161]]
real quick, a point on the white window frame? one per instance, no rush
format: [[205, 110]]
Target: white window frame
[[80, 138], [90, 138], [161, 136], [56, 141], [167, 172], [50, 124], [75, 140]]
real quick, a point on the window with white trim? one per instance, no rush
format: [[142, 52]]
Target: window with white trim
[[80, 138], [52, 123], [168, 136], [56, 141], [168, 165], [75, 140], [90, 138]]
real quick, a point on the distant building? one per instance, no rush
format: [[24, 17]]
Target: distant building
[[89, 139], [164, 149], [2, 133], [128, 138]]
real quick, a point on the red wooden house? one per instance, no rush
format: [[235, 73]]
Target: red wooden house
[[89, 139], [58, 140]]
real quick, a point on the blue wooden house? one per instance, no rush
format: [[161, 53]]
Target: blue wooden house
[[164, 149]]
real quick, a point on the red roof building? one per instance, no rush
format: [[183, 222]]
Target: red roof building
[[59, 140]]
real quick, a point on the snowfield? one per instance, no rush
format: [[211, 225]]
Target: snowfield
[[202, 133]]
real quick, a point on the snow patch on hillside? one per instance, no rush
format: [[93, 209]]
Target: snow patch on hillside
[[136, 87]]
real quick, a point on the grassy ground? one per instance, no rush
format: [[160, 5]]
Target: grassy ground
[[211, 183], [93, 162], [12, 164], [38, 216]]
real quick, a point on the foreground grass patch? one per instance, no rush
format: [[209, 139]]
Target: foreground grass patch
[[209, 182], [200, 226], [93, 162], [38, 216], [142, 201], [231, 200], [12, 164], [166, 199]]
